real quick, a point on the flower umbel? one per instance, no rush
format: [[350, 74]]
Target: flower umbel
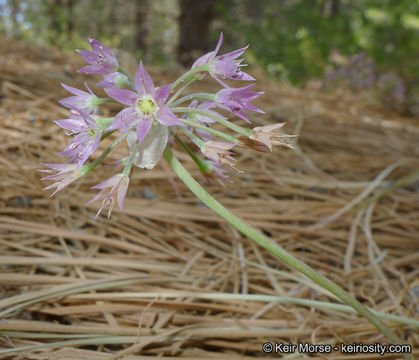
[[150, 117]]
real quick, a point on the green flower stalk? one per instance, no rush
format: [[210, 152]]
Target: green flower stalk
[[274, 248]]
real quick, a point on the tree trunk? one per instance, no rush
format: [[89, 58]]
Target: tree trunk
[[141, 13], [70, 18], [194, 24], [335, 9], [14, 10], [54, 8]]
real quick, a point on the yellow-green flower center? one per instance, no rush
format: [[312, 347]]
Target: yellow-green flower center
[[91, 132], [146, 106]]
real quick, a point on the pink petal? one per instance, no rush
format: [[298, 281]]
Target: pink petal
[[100, 48], [243, 76], [96, 197], [91, 69], [232, 55], [224, 145], [254, 108], [204, 59], [71, 124], [122, 191], [161, 94], [143, 128], [90, 122], [143, 82], [88, 56], [166, 117], [126, 97], [220, 42], [74, 90], [125, 120], [112, 181]]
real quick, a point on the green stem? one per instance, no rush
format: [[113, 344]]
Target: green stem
[[202, 166], [184, 86], [273, 248], [106, 134], [126, 72], [214, 132], [107, 100], [193, 96], [188, 74], [234, 127], [130, 161], [102, 156], [196, 140], [103, 123]]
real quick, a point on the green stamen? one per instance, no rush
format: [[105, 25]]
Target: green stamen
[[146, 106]]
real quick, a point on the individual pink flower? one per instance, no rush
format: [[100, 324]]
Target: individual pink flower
[[238, 100], [118, 185], [114, 80], [267, 136], [218, 151], [102, 60], [65, 175], [86, 139], [215, 173], [225, 66], [85, 101], [144, 106]]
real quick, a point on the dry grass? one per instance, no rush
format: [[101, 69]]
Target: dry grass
[[166, 277]]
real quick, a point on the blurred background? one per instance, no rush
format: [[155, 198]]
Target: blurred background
[[358, 45]]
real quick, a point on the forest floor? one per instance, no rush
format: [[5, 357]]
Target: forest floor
[[165, 276]]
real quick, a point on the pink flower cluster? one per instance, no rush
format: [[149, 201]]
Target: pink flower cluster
[[150, 116]]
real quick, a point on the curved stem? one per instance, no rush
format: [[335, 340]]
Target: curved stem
[[234, 127], [184, 86], [274, 248], [130, 161], [106, 152], [126, 73], [205, 96], [195, 139], [107, 134], [188, 74], [202, 166], [103, 123], [214, 132]]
